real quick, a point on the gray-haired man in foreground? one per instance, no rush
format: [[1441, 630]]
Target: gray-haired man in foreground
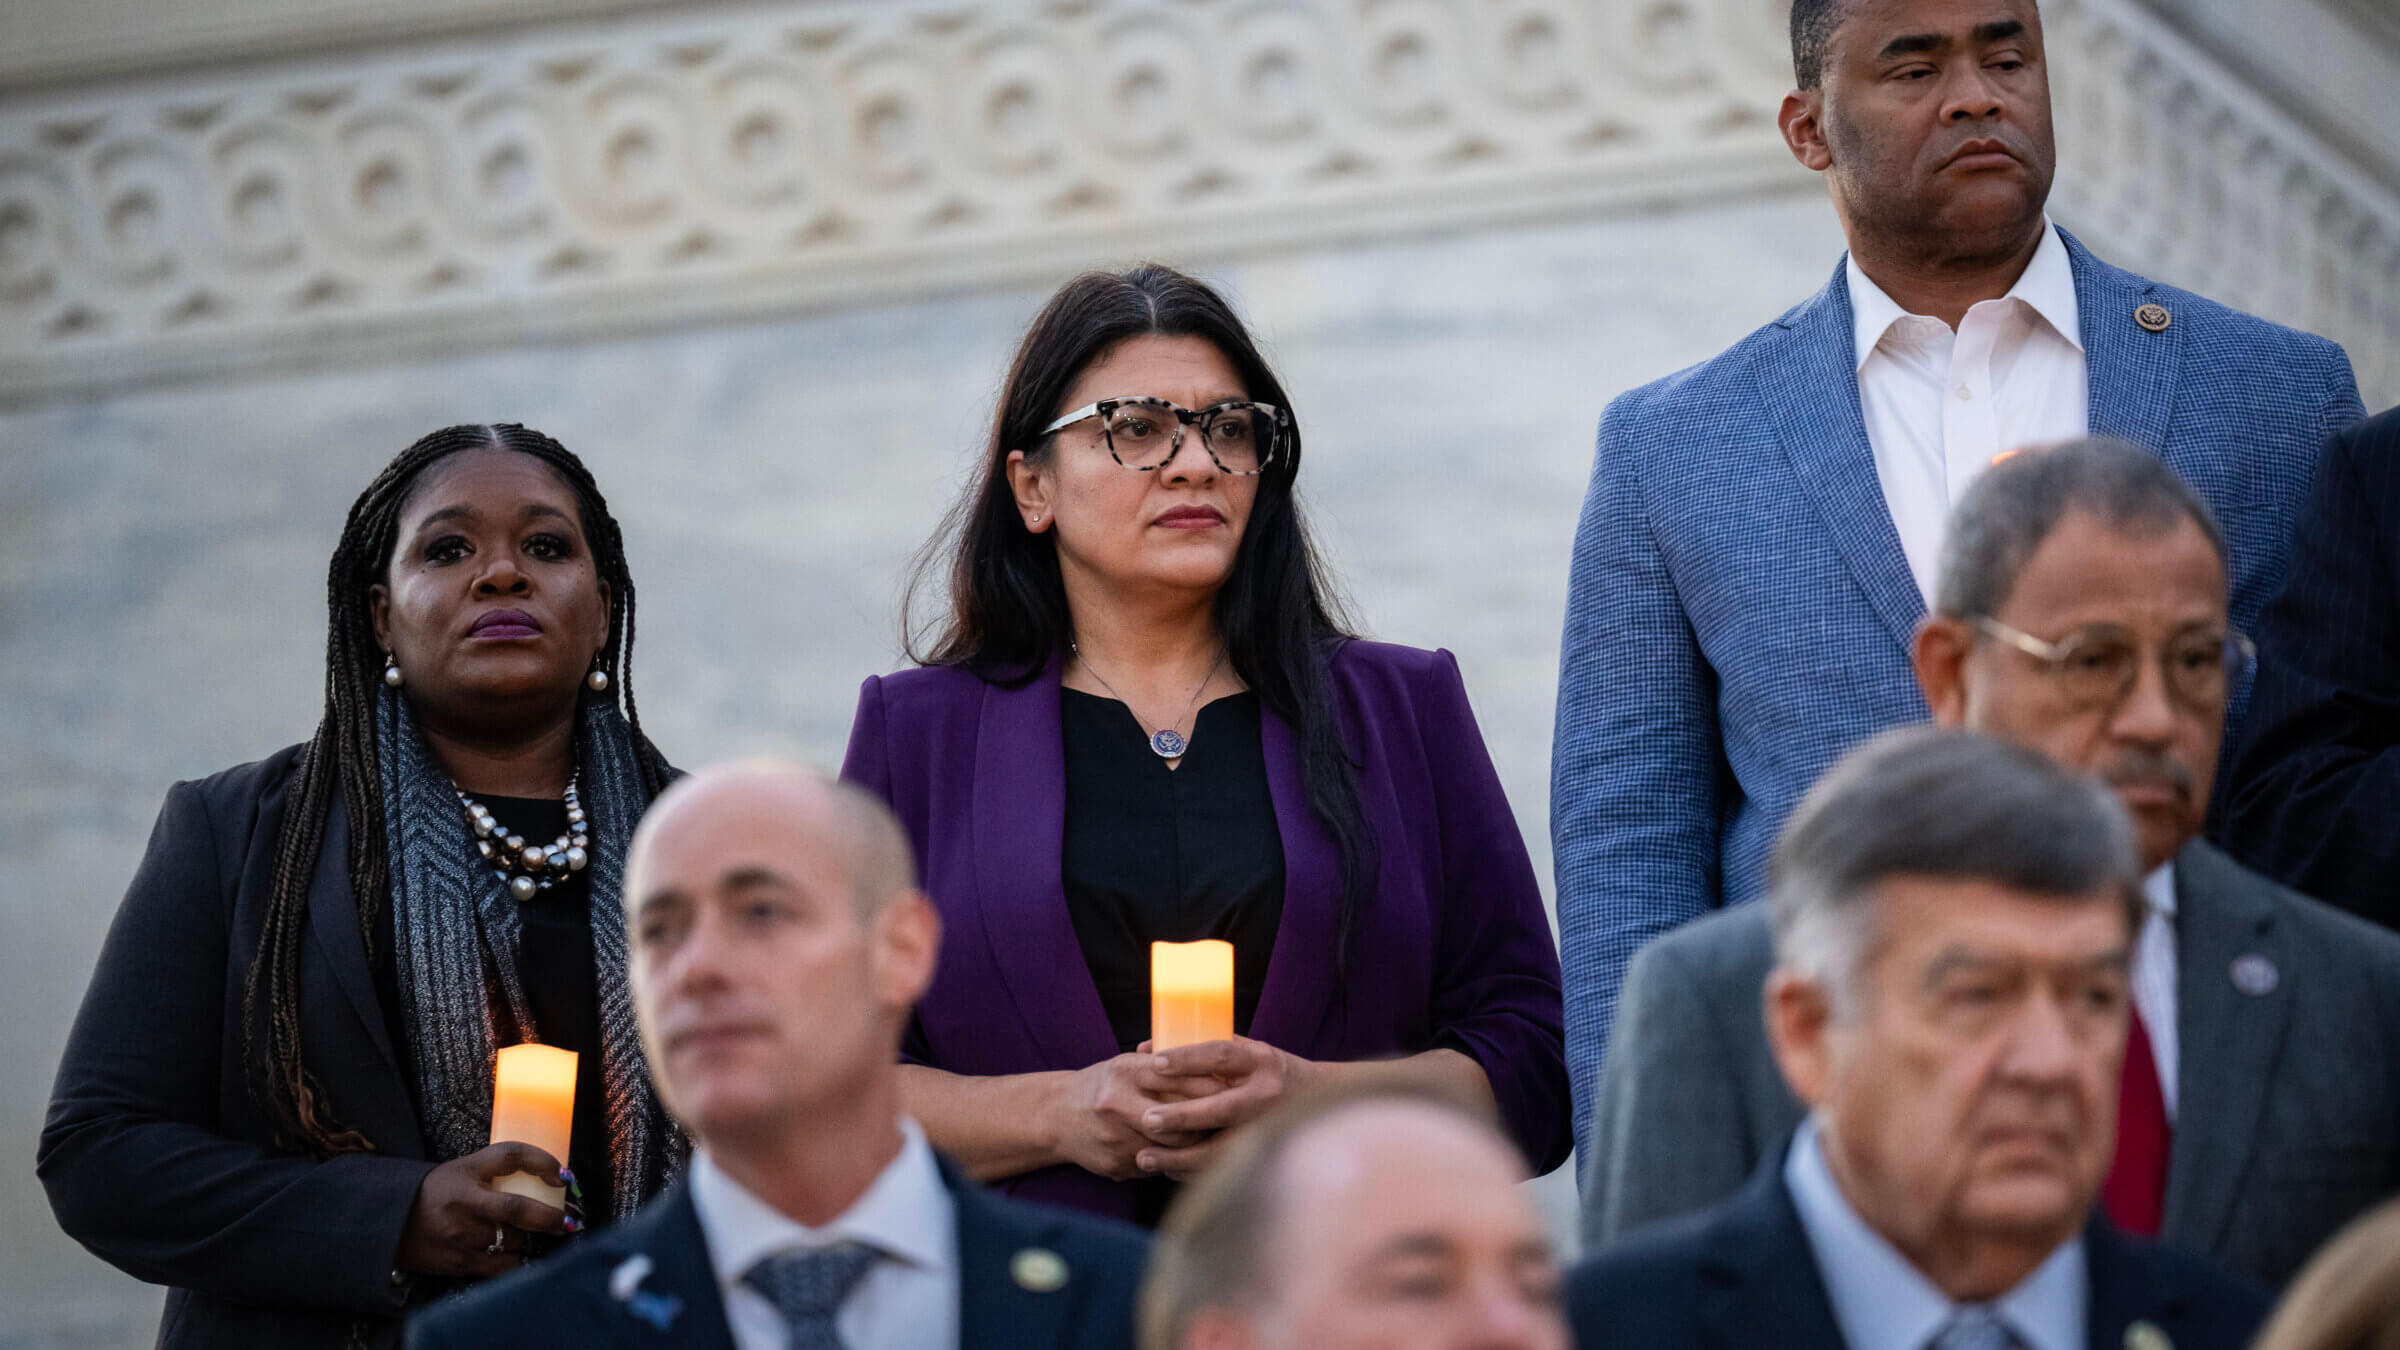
[[1954, 922], [2080, 613]]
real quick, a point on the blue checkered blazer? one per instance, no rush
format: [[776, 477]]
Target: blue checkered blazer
[[1739, 613]]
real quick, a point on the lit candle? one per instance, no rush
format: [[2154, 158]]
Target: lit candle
[[533, 1102], [1191, 993]]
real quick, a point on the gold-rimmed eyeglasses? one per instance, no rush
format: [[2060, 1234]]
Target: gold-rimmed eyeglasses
[[1241, 437], [2096, 666]]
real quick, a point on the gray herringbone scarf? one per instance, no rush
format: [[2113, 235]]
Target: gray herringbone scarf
[[456, 930]]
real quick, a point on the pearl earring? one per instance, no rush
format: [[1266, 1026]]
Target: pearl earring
[[598, 679], [391, 671]]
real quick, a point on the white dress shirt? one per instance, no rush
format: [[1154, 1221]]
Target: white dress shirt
[[2154, 977], [1940, 406], [906, 1301], [1881, 1302]]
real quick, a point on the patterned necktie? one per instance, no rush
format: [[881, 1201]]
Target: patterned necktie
[[808, 1285], [1975, 1328]]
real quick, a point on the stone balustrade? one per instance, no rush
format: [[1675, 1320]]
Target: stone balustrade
[[692, 166], [2171, 168]]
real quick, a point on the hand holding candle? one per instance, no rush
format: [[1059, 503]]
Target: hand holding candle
[[533, 1102], [1191, 993]]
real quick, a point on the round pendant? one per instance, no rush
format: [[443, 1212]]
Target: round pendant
[[1169, 743]]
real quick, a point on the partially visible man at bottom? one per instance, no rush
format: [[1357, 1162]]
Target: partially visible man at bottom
[[1385, 1216], [778, 943], [1954, 921]]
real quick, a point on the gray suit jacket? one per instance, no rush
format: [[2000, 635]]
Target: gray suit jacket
[[2288, 1123]]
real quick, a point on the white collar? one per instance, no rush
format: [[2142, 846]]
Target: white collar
[[906, 1214], [2047, 286], [1881, 1302], [2158, 889]]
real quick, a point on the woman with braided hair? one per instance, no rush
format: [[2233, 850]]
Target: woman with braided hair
[[277, 1096]]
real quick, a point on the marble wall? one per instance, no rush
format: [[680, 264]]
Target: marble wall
[[162, 552]]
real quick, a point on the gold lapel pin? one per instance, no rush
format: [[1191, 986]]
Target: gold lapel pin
[[2155, 318], [1038, 1270], [2147, 1336]]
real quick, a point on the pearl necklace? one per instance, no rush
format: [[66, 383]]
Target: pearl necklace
[[530, 869]]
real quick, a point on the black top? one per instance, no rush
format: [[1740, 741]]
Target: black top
[[555, 965], [1168, 855]]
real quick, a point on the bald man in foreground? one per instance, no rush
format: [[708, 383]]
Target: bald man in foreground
[[1384, 1216], [778, 942]]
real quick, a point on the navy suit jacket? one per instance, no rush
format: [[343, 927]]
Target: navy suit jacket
[[1739, 610], [1744, 1275], [584, 1296], [2315, 792], [1452, 949]]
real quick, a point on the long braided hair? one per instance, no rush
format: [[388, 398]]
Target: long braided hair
[[342, 757]]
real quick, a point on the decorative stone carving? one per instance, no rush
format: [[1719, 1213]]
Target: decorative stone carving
[[774, 157], [2173, 167], [582, 179]]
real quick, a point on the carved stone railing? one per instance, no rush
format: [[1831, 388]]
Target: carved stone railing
[[2177, 170], [771, 158], [712, 164]]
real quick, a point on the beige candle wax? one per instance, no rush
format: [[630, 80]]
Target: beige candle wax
[[533, 1102], [1191, 993]]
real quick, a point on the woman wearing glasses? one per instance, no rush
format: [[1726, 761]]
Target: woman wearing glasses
[[1141, 720]]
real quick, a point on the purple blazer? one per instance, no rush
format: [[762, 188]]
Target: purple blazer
[[1454, 947]]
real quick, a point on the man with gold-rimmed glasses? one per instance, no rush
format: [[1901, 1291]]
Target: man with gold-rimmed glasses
[[2080, 611], [2098, 666]]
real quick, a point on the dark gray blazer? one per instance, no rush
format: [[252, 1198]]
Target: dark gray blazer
[[2288, 1123]]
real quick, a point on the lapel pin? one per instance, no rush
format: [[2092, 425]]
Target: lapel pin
[[2155, 318], [2255, 975], [659, 1310], [2147, 1336], [628, 1276], [625, 1286], [1038, 1270]]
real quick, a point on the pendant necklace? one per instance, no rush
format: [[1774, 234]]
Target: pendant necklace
[[1166, 742], [530, 869]]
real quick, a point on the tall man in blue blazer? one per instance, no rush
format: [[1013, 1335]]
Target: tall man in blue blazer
[[1761, 530], [778, 943], [1955, 922]]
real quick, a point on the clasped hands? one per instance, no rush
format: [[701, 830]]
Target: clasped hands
[[1161, 1114]]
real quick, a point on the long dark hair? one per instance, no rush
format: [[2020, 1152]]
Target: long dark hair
[[1277, 613], [341, 757]]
